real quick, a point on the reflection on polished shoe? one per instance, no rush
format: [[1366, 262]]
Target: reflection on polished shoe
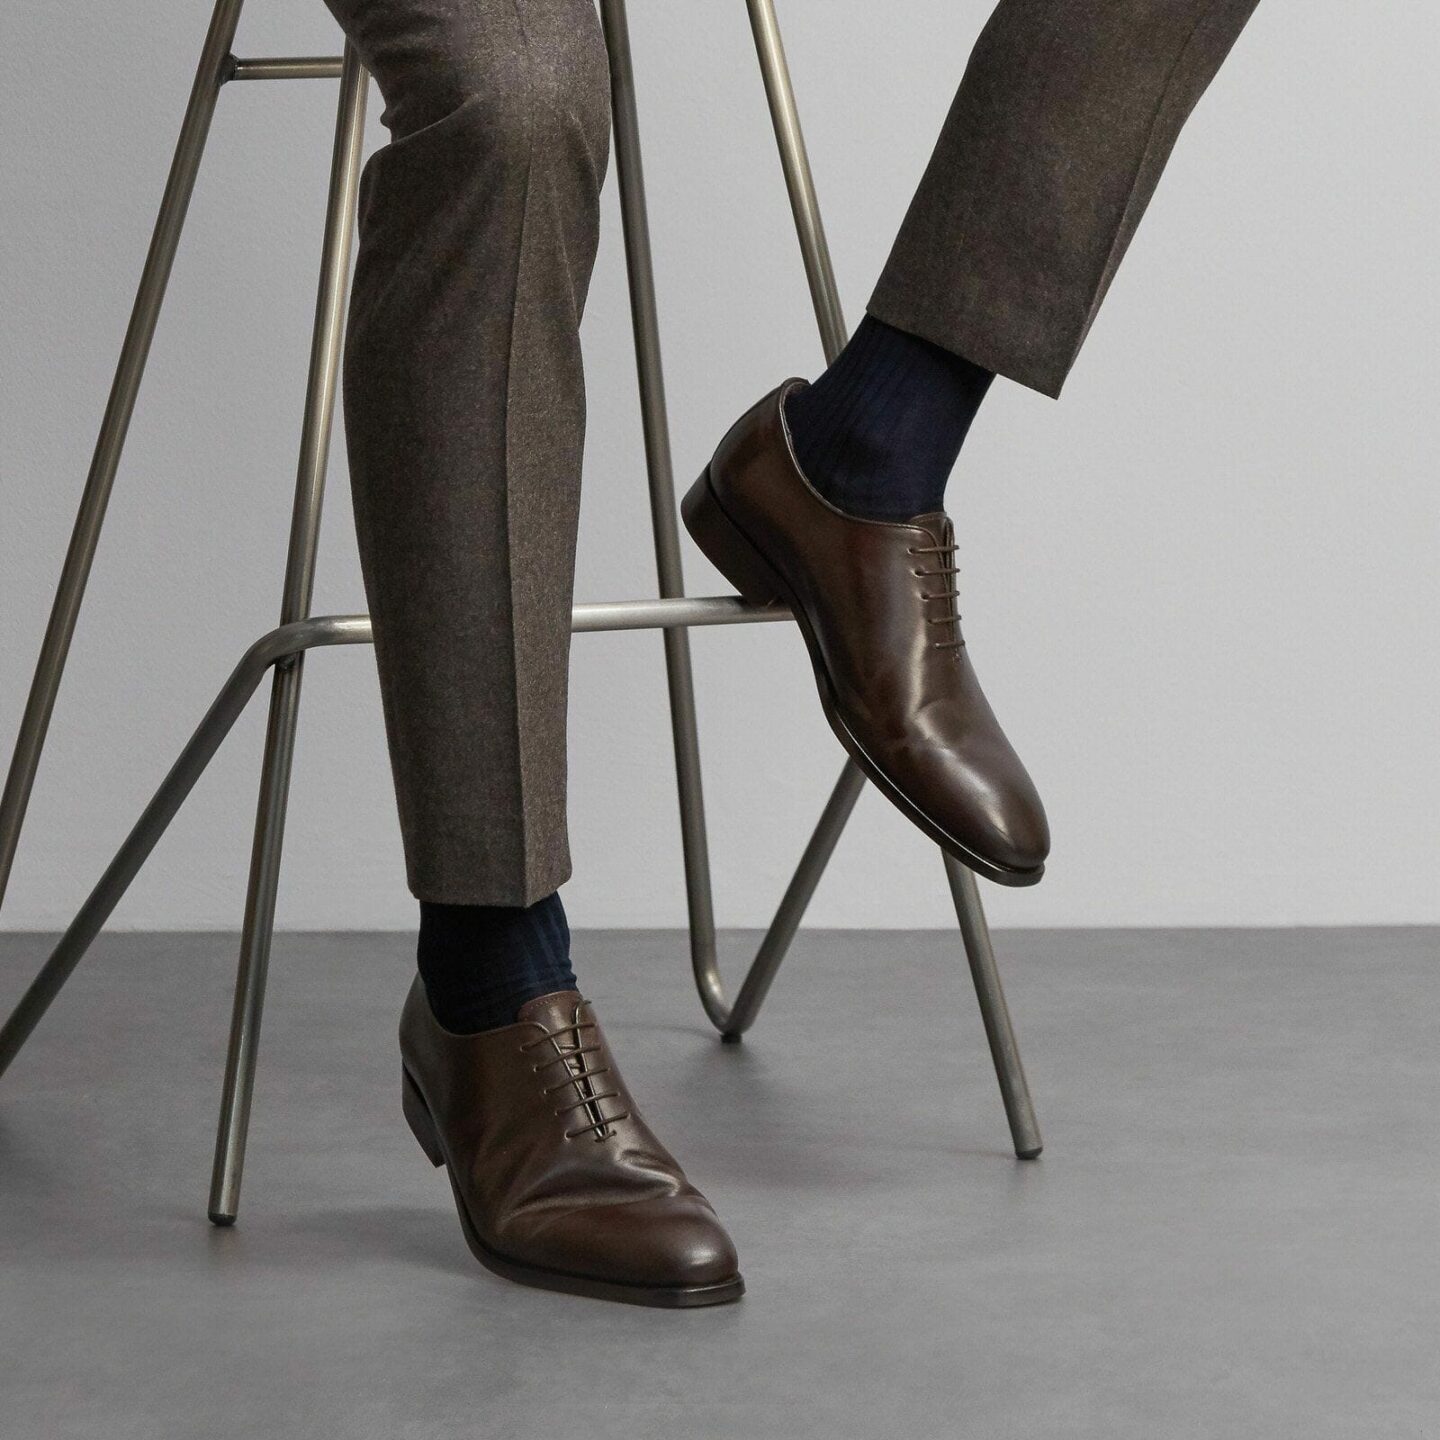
[[558, 1181], [875, 601]]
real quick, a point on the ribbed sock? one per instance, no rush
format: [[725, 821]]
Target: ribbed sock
[[481, 963], [879, 432]]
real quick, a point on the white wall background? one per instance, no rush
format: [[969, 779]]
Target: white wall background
[[1202, 589]]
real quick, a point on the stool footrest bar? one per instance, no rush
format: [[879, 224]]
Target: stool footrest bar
[[279, 647], [285, 67]]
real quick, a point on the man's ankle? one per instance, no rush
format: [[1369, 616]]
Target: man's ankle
[[481, 963], [878, 433]]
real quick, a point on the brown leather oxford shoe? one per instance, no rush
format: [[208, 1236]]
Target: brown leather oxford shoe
[[875, 602], [558, 1180]]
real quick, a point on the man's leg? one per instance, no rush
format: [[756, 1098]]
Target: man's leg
[[829, 496], [465, 418], [1051, 151], [464, 410], [1053, 146]]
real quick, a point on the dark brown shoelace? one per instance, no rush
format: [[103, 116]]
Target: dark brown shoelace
[[948, 595], [580, 1078]]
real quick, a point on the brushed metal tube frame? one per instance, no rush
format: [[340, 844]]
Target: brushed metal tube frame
[[799, 182], [994, 1012], [970, 912], [793, 904], [287, 67], [210, 74], [731, 1020], [284, 648], [655, 425], [281, 647], [258, 927], [276, 646], [734, 1021]]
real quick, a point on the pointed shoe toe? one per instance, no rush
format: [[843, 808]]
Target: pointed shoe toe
[[673, 1243], [557, 1180]]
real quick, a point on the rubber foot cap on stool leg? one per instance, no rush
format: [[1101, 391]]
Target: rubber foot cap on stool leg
[[730, 1037], [223, 1222], [1029, 1154]]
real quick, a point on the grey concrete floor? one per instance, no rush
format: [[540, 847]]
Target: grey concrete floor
[[1233, 1231]]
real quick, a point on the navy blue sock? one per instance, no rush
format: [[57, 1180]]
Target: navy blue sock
[[481, 963], [879, 432]]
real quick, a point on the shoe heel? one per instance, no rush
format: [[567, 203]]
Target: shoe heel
[[417, 1116], [725, 547]]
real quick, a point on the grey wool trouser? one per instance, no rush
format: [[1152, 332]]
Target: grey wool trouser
[[464, 396]]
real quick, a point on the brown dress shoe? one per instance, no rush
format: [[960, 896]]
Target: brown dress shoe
[[875, 602], [558, 1181]]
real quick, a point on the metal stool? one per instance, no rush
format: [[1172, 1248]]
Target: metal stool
[[283, 649]]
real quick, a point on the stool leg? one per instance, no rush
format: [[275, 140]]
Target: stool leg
[[210, 75], [731, 1021], [799, 183], [794, 904], [830, 318], [142, 839], [679, 673], [285, 695], [1014, 1090], [825, 296]]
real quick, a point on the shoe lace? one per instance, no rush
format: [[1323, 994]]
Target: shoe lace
[[580, 1072], [949, 570]]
